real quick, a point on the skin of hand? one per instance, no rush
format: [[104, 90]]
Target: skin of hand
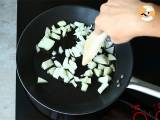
[[121, 20]]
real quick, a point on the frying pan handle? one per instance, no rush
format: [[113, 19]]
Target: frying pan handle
[[144, 87]]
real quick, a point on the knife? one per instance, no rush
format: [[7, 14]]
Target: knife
[[92, 45]]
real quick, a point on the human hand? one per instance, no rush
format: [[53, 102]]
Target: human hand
[[120, 20]]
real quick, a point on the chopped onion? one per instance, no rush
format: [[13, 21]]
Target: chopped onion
[[57, 63], [71, 69], [76, 52], [77, 79], [73, 83], [70, 75], [72, 25], [64, 31], [79, 24], [66, 80], [51, 70], [88, 73], [67, 53], [84, 87], [73, 64], [86, 80], [102, 88], [105, 79], [47, 64], [107, 71], [100, 51], [101, 67], [110, 50], [56, 73], [113, 67], [46, 43], [62, 23], [73, 59], [91, 65], [98, 72], [108, 43], [65, 63], [47, 32], [102, 59], [53, 53], [111, 57], [60, 50], [41, 80], [55, 36], [57, 31], [68, 28], [37, 49]]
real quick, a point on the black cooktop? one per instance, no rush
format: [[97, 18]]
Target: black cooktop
[[146, 66]]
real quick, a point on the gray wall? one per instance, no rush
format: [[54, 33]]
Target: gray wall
[[7, 59]]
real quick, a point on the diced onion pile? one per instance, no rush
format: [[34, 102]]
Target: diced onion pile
[[101, 66]]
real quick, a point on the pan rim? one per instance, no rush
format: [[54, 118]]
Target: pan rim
[[42, 104]]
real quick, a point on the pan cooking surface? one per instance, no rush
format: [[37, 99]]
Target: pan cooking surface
[[56, 95]]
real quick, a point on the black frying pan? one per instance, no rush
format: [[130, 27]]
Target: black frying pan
[[56, 96]]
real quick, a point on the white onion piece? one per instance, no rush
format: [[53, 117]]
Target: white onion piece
[[107, 71], [66, 80], [84, 87], [71, 69], [46, 64], [91, 65], [113, 67], [73, 83], [73, 59], [51, 70], [108, 44], [65, 63], [70, 75], [110, 50], [79, 24], [72, 25], [62, 23], [73, 64], [57, 63], [102, 88], [105, 79], [53, 27], [86, 80], [53, 53], [56, 73], [68, 28], [102, 59], [60, 50], [111, 57], [77, 79], [41, 80], [100, 51], [88, 73], [55, 36], [101, 67], [46, 43], [37, 49], [64, 31], [47, 32], [57, 31], [76, 52], [67, 53], [98, 72]]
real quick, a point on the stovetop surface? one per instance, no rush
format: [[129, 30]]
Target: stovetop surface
[[146, 66]]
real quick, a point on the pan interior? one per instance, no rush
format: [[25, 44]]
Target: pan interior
[[57, 95]]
